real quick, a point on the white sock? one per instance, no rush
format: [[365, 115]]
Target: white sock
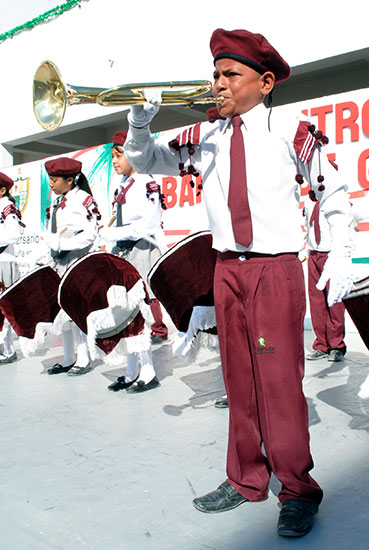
[[8, 348], [83, 356], [147, 371], [132, 369], [68, 348]]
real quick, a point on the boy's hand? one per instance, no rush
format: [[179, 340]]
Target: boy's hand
[[140, 116], [338, 271]]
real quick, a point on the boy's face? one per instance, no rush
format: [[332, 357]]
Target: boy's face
[[120, 163], [241, 87]]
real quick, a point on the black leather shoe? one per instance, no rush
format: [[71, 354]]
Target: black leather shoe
[[158, 339], [78, 371], [336, 355], [58, 368], [221, 402], [224, 498], [8, 358], [140, 386], [121, 384], [296, 518]]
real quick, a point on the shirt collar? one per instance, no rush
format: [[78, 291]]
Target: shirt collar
[[252, 118]]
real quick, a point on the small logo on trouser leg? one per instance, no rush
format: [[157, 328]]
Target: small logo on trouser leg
[[264, 348]]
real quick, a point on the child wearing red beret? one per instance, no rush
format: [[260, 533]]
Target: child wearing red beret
[[252, 163], [136, 234], [10, 228], [72, 233]]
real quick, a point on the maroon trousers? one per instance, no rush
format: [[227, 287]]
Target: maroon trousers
[[260, 308], [328, 322], [158, 328]]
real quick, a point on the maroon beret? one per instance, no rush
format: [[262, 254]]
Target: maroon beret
[[119, 138], [63, 166], [5, 181], [250, 49]]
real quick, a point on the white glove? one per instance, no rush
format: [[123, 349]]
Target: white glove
[[53, 240], [338, 271], [140, 116]]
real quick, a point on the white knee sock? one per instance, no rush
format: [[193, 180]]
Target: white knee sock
[[83, 356], [8, 348], [68, 348], [132, 369], [147, 371]]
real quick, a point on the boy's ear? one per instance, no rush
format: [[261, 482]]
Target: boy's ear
[[267, 82]]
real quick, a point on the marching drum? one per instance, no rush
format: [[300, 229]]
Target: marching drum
[[357, 305], [31, 305], [182, 280], [105, 297]]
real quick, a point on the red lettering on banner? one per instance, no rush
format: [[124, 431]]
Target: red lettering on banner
[[321, 113], [186, 192], [363, 171], [349, 122], [169, 188], [365, 118]]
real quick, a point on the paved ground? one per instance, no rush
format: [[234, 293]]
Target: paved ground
[[82, 468]]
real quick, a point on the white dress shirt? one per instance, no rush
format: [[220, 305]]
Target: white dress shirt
[[9, 230], [271, 167], [141, 211], [76, 220]]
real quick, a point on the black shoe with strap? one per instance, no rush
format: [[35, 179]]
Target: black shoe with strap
[[140, 386], [121, 383], [296, 518], [58, 368], [224, 498]]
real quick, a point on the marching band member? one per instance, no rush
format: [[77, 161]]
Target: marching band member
[[328, 322], [72, 232], [252, 165], [10, 224], [137, 236]]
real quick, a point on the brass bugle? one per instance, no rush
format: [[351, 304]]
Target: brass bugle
[[51, 95]]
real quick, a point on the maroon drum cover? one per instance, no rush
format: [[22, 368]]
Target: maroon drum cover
[[357, 305], [31, 300], [104, 295], [31, 305], [182, 280], [183, 277]]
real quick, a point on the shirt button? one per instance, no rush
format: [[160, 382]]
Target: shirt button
[[242, 258]]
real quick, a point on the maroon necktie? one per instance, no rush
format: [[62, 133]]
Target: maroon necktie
[[314, 219], [238, 201]]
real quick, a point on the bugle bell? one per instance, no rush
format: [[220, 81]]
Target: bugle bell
[[51, 95]]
